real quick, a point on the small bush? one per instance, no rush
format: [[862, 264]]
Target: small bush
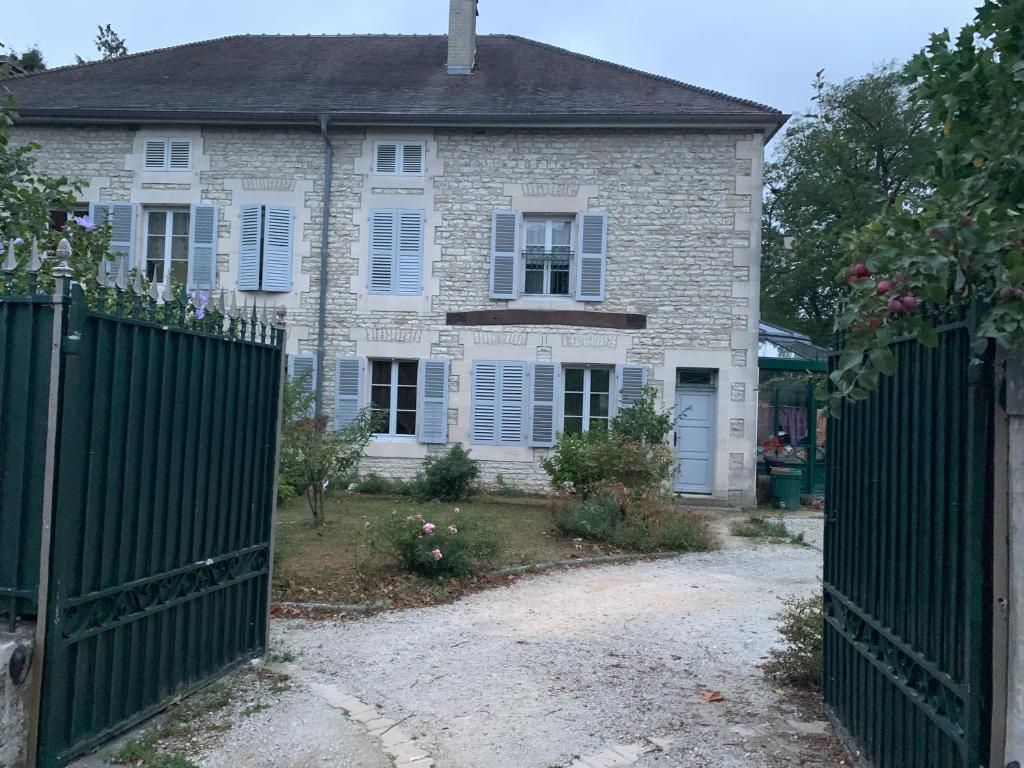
[[757, 527], [507, 489], [582, 460], [382, 486], [453, 545], [798, 661], [447, 477]]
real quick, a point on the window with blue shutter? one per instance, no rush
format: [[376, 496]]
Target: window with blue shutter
[[202, 256], [265, 248], [398, 158], [396, 251], [498, 402], [543, 388], [632, 380], [302, 368], [122, 232], [591, 256], [433, 401], [349, 373], [504, 255]]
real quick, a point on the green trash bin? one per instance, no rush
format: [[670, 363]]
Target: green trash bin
[[786, 487]]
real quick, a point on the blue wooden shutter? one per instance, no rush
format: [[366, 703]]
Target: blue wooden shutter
[[202, 248], [348, 389], [410, 252], [122, 232], [484, 418], [590, 260], [504, 255], [383, 243], [632, 380], [277, 249], [250, 233], [154, 155], [385, 158], [432, 419], [543, 389], [303, 367], [512, 386]]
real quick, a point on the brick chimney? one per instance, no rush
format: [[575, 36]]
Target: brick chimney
[[461, 37]]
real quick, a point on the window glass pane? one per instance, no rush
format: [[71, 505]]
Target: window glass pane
[[380, 396], [155, 271], [179, 223], [560, 279], [573, 379], [407, 373], [381, 372], [573, 424], [573, 404], [534, 278], [535, 232], [158, 223], [405, 423], [155, 248], [179, 248], [599, 379], [407, 398], [561, 235], [179, 271], [598, 404]]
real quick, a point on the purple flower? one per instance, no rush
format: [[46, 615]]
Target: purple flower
[[85, 222], [201, 299]]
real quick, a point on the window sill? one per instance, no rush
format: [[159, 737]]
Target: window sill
[[395, 438]]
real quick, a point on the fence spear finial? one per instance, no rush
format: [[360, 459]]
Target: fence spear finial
[[168, 295], [220, 302], [101, 274], [154, 291], [121, 281], [10, 262], [137, 283], [233, 307], [34, 263]]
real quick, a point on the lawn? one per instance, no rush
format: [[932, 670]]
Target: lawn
[[335, 563]]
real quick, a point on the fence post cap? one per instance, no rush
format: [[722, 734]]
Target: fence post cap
[[281, 313], [62, 269]]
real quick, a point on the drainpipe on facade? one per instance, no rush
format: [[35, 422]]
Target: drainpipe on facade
[[321, 342]]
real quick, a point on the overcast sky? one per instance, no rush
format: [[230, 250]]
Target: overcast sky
[[766, 51]]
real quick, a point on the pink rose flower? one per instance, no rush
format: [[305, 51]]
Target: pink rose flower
[[452, 529], [437, 554], [429, 527], [457, 510]]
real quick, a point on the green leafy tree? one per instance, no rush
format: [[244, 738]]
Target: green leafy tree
[[963, 243], [31, 60], [864, 144], [110, 44], [312, 455]]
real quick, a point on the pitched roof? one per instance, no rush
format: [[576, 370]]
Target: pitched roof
[[372, 79]]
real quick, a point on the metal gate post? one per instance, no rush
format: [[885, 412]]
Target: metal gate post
[[62, 274], [1014, 467], [282, 324]]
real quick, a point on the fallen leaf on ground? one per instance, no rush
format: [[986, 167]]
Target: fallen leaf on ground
[[712, 696]]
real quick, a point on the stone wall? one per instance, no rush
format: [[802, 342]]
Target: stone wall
[[683, 248]]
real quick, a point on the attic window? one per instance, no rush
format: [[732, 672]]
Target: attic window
[[398, 158], [167, 154]]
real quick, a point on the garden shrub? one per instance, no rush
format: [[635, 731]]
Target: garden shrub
[[507, 489], [382, 486], [644, 421], [797, 661], [582, 460], [450, 545], [445, 477]]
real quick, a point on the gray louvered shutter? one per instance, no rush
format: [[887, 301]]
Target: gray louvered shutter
[[512, 386], [484, 418], [179, 154], [348, 389], [277, 249], [202, 248], [543, 388], [249, 248], [385, 158], [432, 419], [383, 243], [302, 367], [410, 252], [122, 232], [412, 158], [590, 261], [504, 255], [154, 154], [632, 380]]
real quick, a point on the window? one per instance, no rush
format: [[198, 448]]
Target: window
[[167, 154], [587, 399], [695, 378], [398, 158], [393, 395], [498, 402], [265, 248], [546, 255], [60, 218], [396, 251], [167, 233]]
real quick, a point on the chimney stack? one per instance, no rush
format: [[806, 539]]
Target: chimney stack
[[461, 37]]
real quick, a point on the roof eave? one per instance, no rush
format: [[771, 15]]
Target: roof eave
[[768, 123]]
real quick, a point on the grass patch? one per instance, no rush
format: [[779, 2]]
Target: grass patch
[[279, 657], [336, 562], [760, 527]]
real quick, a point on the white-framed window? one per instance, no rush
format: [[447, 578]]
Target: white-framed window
[[167, 241], [547, 253], [586, 402], [167, 154], [399, 158], [393, 394]]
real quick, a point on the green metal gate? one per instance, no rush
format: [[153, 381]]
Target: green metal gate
[[148, 521], [908, 554]]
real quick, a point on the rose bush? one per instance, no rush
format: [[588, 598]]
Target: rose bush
[[442, 545]]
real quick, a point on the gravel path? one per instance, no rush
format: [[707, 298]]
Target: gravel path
[[590, 667]]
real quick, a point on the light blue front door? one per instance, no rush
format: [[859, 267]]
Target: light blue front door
[[695, 441]]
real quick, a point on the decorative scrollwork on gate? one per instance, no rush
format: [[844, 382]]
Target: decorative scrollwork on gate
[[100, 611]]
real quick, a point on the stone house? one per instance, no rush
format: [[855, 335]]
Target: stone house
[[490, 238]]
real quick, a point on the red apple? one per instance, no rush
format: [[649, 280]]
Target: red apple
[[895, 305], [909, 302], [884, 286]]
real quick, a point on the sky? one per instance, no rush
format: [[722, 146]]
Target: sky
[[765, 51]]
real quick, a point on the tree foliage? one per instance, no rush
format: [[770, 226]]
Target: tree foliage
[[110, 44], [864, 144], [962, 244], [30, 60]]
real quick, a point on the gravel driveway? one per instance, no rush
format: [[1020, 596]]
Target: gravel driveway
[[591, 668]]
